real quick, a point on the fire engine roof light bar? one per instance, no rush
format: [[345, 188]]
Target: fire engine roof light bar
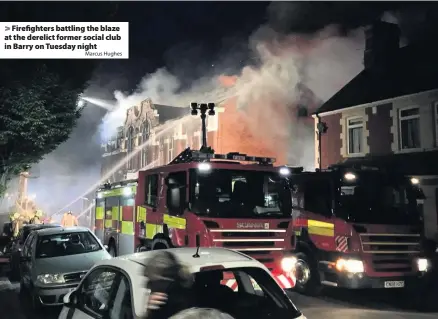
[[415, 181], [232, 156], [350, 176], [204, 167], [284, 171]]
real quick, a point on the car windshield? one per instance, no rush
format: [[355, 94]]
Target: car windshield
[[65, 244], [376, 198], [239, 194]]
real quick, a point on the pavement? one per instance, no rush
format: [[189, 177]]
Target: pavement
[[334, 304]]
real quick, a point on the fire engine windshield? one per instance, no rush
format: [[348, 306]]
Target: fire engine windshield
[[227, 193], [375, 198]]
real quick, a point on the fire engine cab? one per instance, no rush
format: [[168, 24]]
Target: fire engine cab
[[202, 199], [355, 227]]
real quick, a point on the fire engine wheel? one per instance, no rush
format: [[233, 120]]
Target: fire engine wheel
[[307, 276], [160, 243], [112, 250]]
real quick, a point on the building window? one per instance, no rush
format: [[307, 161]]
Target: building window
[[170, 149], [409, 124], [355, 135], [145, 132]]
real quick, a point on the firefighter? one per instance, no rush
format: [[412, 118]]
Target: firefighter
[[69, 220], [37, 217], [15, 220]]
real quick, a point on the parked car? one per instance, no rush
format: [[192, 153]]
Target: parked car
[[54, 260], [115, 288], [17, 245]]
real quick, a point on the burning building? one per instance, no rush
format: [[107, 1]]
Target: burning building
[[153, 134]]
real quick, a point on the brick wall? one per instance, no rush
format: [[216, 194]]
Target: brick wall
[[331, 142]]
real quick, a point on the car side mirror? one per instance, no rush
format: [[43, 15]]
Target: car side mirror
[[70, 299]]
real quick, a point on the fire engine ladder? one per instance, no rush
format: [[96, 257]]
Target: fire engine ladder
[[188, 156]]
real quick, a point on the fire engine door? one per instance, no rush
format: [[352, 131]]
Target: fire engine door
[[111, 222]]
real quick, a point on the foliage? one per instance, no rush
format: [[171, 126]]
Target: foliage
[[38, 97], [37, 113]]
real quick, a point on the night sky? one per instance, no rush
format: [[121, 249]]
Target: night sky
[[190, 39], [191, 36]]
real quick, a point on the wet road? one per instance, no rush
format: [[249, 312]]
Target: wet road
[[335, 304]]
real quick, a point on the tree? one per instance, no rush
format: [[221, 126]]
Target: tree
[[38, 98], [38, 110]]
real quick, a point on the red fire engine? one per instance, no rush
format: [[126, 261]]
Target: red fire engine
[[202, 199], [355, 227]]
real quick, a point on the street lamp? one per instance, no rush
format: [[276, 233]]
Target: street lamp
[[203, 108]]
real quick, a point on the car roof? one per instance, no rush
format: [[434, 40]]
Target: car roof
[[40, 226], [59, 230], [207, 257], [133, 264]]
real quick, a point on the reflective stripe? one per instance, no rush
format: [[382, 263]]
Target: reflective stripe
[[141, 214], [120, 213], [174, 222], [115, 212], [317, 223], [127, 228], [117, 191], [316, 227], [99, 213], [108, 223]]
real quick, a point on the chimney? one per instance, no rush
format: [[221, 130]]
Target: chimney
[[382, 41]]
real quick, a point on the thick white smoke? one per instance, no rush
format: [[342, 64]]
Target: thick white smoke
[[323, 62]]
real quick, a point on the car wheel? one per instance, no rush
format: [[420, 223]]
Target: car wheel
[[112, 250], [307, 276]]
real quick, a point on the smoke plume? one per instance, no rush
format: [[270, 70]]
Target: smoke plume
[[297, 60]]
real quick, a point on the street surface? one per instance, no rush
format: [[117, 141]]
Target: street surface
[[337, 304]]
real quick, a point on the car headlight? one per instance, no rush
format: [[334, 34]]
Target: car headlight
[[288, 264], [422, 264], [350, 265], [51, 279]]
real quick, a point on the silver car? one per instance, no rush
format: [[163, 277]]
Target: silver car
[[54, 260]]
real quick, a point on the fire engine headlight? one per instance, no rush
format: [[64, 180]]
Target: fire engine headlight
[[204, 167], [288, 264], [47, 279], [350, 265], [422, 264]]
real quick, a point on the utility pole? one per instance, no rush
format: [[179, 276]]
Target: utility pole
[[203, 108]]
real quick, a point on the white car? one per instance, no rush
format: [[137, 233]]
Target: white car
[[54, 260], [115, 288]]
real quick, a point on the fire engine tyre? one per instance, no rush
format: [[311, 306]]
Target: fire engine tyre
[[307, 276], [112, 249], [160, 243]]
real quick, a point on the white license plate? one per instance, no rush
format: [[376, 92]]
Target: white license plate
[[394, 284]]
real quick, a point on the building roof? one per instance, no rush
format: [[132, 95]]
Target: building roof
[[412, 70], [167, 112]]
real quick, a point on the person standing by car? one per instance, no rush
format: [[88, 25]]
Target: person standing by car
[[69, 220], [169, 283]]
